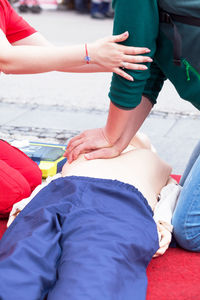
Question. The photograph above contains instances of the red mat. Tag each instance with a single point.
(174, 276)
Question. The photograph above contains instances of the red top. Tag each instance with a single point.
(14, 26)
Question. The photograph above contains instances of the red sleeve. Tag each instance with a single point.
(14, 26)
(3, 16)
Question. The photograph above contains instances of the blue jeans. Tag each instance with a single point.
(186, 218)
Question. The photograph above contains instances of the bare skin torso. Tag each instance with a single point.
(141, 168)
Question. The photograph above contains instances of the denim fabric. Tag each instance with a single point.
(186, 218)
(195, 154)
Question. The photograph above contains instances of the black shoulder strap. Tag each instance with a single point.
(178, 18)
(169, 18)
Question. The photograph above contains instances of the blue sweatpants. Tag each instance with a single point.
(79, 239)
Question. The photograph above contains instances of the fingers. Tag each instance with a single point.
(72, 145)
(134, 50)
(165, 240)
(74, 139)
(163, 248)
(134, 62)
(137, 59)
(123, 74)
(130, 66)
(102, 153)
(119, 38)
(160, 251)
(88, 140)
(128, 49)
(81, 148)
(77, 148)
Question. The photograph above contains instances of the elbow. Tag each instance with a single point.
(6, 63)
(2, 65)
(5, 67)
(5, 71)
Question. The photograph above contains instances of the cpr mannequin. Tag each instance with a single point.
(90, 232)
(138, 165)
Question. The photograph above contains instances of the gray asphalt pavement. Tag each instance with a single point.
(55, 106)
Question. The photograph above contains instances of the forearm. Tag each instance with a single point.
(91, 68)
(117, 122)
(36, 59)
(37, 39)
(122, 125)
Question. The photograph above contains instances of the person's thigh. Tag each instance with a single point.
(19, 161)
(186, 220)
(106, 245)
(13, 188)
(195, 154)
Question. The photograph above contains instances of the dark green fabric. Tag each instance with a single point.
(181, 7)
(188, 90)
(185, 78)
(140, 18)
(189, 34)
(154, 84)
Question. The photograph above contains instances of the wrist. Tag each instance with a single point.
(110, 136)
(90, 52)
(107, 137)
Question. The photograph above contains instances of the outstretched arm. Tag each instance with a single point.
(106, 56)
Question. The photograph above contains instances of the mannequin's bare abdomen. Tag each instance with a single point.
(140, 167)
